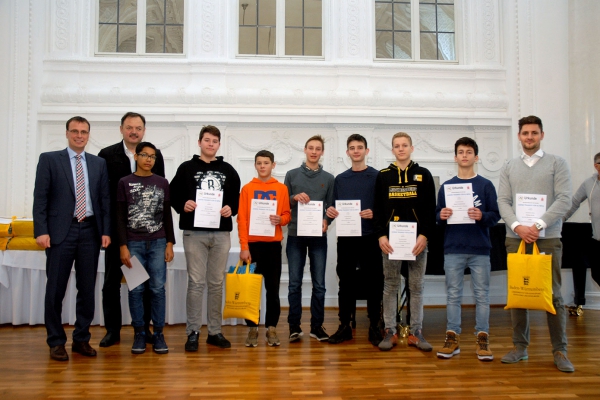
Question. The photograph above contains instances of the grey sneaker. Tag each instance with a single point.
(389, 341)
(252, 339)
(272, 339)
(417, 340)
(514, 356)
(562, 362)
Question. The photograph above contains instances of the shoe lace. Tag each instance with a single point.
(450, 340)
(482, 342)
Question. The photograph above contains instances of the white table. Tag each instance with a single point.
(23, 286)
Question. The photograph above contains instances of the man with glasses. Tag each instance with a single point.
(71, 221)
(590, 190)
(120, 163)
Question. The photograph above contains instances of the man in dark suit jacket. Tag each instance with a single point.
(120, 163)
(71, 220)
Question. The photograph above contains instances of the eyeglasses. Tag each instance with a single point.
(144, 156)
(75, 132)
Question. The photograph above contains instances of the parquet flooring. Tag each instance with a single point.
(307, 369)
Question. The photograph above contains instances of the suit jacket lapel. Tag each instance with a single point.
(92, 173)
(66, 164)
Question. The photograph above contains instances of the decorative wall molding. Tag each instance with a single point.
(489, 37)
(208, 25)
(61, 29)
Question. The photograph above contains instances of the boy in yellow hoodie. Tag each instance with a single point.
(265, 251)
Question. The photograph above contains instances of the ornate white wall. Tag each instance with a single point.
(513, 61)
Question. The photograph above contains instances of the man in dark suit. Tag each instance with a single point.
(120, 163)
(71, 221)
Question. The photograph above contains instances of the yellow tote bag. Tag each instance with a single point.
(242, 294)
(529, 280)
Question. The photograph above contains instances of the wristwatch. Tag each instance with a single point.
(538, 226)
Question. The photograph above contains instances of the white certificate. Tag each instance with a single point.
(260, 211)
(208, 208)
(136, 275)
(310, 219)
(459, 197)
(530, 208)
(403, 238)
(348, 220)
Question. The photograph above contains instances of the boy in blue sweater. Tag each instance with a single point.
(467, 245)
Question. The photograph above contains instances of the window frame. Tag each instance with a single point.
(280, 35)
(415, 36)
(141, 34)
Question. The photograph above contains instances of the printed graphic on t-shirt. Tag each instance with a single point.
(265, 195)
(145, 212)
(210, 180)
(402, 191)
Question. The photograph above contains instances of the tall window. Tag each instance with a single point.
(140, 26)
(415, 29)
(280, 27)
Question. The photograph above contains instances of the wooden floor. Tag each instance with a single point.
(307, 369)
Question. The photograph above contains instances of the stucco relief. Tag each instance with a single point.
(62, 24)
(208, 25)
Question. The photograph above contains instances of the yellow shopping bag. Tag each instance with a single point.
(242, 294)
(529, 280)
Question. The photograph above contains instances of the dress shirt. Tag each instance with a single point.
(89, 211)
(129, 155)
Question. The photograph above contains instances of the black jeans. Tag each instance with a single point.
(267, 256)
(591, 252)
(360, 273)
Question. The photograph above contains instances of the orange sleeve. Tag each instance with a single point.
(243, 218)
(284, 206)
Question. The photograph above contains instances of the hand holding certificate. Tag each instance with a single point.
(208, 208)
(459, 198)
(260, 222)
(530, 208)
(310, 218)
(348, 219)
(403, 238)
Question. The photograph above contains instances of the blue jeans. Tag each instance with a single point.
(296, 249)
(151, 254)
(455, 265)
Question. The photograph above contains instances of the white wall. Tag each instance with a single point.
(513, 61)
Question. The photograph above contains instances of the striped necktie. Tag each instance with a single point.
(79, 190)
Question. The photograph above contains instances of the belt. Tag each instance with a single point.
(91, 218)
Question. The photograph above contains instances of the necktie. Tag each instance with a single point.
(79, 190)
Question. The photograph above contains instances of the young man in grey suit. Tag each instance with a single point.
(71, 221)
(545, 175)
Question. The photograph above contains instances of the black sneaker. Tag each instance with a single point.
(139, 343)
(295, 333)
(319, 333)
(158, 343)
(192, 342)
(218, 340)
(343, 333)
(375, 336)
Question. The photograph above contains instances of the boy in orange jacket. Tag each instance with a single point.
(264, 245)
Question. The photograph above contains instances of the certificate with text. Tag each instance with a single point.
(310, 219)
(530, 208)
(260, 211)
(348, 221)
(459, 197)
(208, 208)
(403, 238)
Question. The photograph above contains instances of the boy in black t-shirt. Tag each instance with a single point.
(145, 230)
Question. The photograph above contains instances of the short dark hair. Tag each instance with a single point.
(131, 114)
(316, 137)
(265, 153)
(466, 141)
(597, 158)
(213, 130)
(78, 119)
(140, 146)
(355, 137)
(532, 119)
